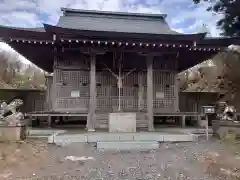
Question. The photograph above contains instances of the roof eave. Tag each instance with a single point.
(22, 33)
(68, 31)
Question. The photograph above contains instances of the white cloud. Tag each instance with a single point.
(201, 17)
(21, 18)
(30, 13)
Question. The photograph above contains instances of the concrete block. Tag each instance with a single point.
(44, 132)
(148, 137)
(179, 138)
(102, 137)
(122, 122)
(126, 137)
(68, 138)
(128, 145)
(51, 139)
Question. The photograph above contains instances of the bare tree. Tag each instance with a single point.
(13, 74)
(219, 74)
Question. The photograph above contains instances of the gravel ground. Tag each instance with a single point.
(171, 161)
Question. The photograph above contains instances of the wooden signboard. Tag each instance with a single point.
(159, 95)
(75, 94)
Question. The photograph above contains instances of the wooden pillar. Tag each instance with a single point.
(150, 92)
(30, 121)
(140, 92)
(54, 79)
(183, 121)
(93, 100)
(49, 121)
(48, 103)
(176, 94)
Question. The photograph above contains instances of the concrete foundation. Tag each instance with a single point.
(122, 122)
(122, 137)
(129, 145)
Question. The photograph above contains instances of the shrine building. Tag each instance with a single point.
(107, 62)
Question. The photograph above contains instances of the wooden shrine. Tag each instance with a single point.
(106, 62)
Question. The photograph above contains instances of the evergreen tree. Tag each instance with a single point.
(230, 9)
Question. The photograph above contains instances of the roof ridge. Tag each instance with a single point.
(114, 13)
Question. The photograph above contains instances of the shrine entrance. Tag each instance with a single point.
(120, 83)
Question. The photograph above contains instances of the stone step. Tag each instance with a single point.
(128, 145)
(123, 137)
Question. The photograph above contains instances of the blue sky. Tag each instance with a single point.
(183, 15)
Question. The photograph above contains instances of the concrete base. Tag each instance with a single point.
(122, 122)
(222, 128)
(43, 133)
(91, 130)
(12, 133)
(128, 145)
(202, 123)
(122, 137)
(197, 131)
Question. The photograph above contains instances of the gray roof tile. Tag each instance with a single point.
(115, 22)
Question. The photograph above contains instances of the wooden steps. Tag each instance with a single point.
(142, 121)
(101, 121)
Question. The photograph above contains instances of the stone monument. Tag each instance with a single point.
(12, 127)
(9, 114)
(122, 122)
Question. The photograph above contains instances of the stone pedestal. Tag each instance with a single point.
(12, 132)
(202, 123)
(122, 122)
(222, 128)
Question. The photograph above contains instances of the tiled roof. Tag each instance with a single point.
(115, 22)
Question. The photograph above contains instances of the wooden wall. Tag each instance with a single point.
(35, 101)
(65, 81)
(71, 73)
(193, 101)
